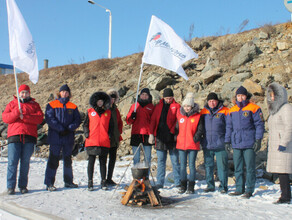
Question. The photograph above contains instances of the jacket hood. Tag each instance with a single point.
(97, 96)
(114, 91)
(28, 100)
(281, 97)
(219, 106)
(194, 110)
(143, 103)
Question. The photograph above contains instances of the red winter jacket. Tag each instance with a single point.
(170, 120)
(98, 129)
(187, 130)
(32, 116)
(120, 123)
(141, 125)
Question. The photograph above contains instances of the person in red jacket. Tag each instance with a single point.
(162, 128)
(190, 132)
(98, 131)
(140, 121)
(116, 137)
(22, 137)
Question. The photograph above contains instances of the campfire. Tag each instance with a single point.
(140, 192)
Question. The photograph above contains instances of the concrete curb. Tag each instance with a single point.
(26, 213)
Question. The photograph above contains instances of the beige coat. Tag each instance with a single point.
(280, 131)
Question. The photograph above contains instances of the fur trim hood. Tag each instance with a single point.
(194, 110)
(281, 97)
(114, 91)
(97, 96)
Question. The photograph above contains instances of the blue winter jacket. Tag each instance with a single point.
(245, 124)
(215, 127)
(62, 115)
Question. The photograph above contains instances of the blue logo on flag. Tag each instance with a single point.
(31, 48)
(158, 42)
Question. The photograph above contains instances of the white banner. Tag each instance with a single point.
(22, 48)
(165, 48)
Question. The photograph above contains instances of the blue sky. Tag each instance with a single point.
(74, 31)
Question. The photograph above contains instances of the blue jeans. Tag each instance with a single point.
(247, 157)
(18, 152)
(222, 168)
(161, 165)
(183, 157)
(147, 150)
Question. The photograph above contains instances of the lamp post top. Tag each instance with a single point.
(92, 2)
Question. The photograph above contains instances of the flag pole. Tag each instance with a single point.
(141, 71)
(16, 85)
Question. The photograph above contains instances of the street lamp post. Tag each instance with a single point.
(110, 28)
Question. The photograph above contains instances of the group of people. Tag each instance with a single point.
(180, 130)
(102, 129)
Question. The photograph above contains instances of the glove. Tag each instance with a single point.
(151, 139)
(64, 133)
(257, 145)
(196, 138)
(281, 148)
(228, 147)
(133, 115)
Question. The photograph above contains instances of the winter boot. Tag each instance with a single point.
(110, 182)
(10, 191)
(90, 185)
(183, 187)
(71, 185)
(23, 190)
(191, 188)
(51, 188)
(103, 185)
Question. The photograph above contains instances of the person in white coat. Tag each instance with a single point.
(280, 138)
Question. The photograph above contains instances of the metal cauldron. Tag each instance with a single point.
(139, 172)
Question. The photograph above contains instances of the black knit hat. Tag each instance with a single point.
(167, 92)
(212, 96)
(146, 90)
(241, 90)
(65, 87)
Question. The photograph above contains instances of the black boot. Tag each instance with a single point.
(103, 185)
(71, 185)
(90, 185)
(191, 189)
(183, 187)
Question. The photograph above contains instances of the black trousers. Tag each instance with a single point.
(111, 162)
(285, 186)
(102, 165)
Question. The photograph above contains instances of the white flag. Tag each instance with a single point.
(22, 48)
(165, 48)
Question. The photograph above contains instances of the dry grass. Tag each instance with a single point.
(227, 50)
(269, 29)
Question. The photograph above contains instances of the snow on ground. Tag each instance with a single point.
(82, 204)
(7, 216)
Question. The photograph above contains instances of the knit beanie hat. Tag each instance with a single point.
(241, 90)
(189, 99)
(212, 96)
(167, 92)
(146, 90)
(23, 87)
(65, 87)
